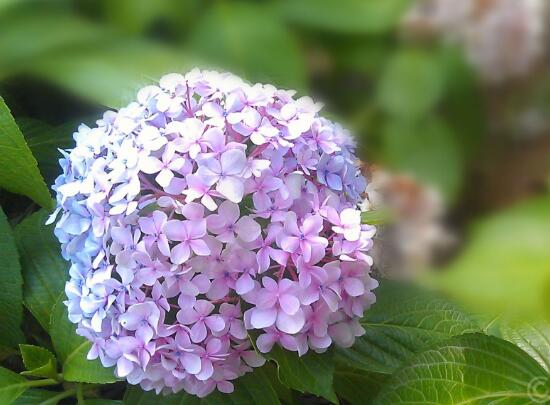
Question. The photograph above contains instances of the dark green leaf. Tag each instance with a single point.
(12, 385)
(11, 298)
(504, 267)
(469, 369)
(44, 141)
(18, 168)
(38, 361)
(249, 40)
(412, 84)
(427, 150)
(37, 397)
(347, 16)
(356, 386)
(103, 402)
(311, 373)
(44, 270)
(404, 321)
(73, 349)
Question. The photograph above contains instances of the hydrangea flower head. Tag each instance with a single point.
(204, 213)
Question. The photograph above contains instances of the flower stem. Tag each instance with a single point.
(79, 395)
(42, 383)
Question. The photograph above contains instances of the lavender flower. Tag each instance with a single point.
(206, 197)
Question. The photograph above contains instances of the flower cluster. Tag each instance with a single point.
(207, 209)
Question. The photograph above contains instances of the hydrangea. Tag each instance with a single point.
(208, 212)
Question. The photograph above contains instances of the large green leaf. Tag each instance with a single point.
(44, 270)
(469, 369)
(249, 40)
(111, 73)
(412, 84)
(73, 349)
(252, 388)
(404, 321)
(311, 373)
(30, 33)
(12, 385)
(426, 149)
(18, 168)
(11, 298)
(531, 337)
(356, 386)
(38, 361)
(347, 16)
(504, 267)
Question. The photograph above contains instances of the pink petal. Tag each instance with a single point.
(231, 188)
(175, 230)
(150, 165)
(206, 370)
(290, 243)
(312, 225)
(229, 212)
(247, 229)
(244, 284)
(215, 323)
(191, 363)
(200, 247)
(290, 323)
(180, 253)
(265, 342)
(354, 286)
(289, 304)
(198, 332)
(263, 318)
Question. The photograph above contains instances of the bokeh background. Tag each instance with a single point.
(449, 100)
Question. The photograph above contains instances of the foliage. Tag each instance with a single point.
(415, 107)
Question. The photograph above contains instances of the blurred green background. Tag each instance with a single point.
(463, 146)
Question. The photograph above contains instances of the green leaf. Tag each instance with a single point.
(427, 150)
(103, 402)
(404, 320)
(469, 369)
(504, 267)
(28, 34)
(252, 388)
(378, 217)
(346, 16)
(38, 361)
(356, 386)
(11, 298)
(73, 349)
(44, 140)
(44, 270)
(532, 337)
(18, 169)
(12, 385)
(111, 73)
(412, 84)
(36, 397)
(247, 39)
(311, 373)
